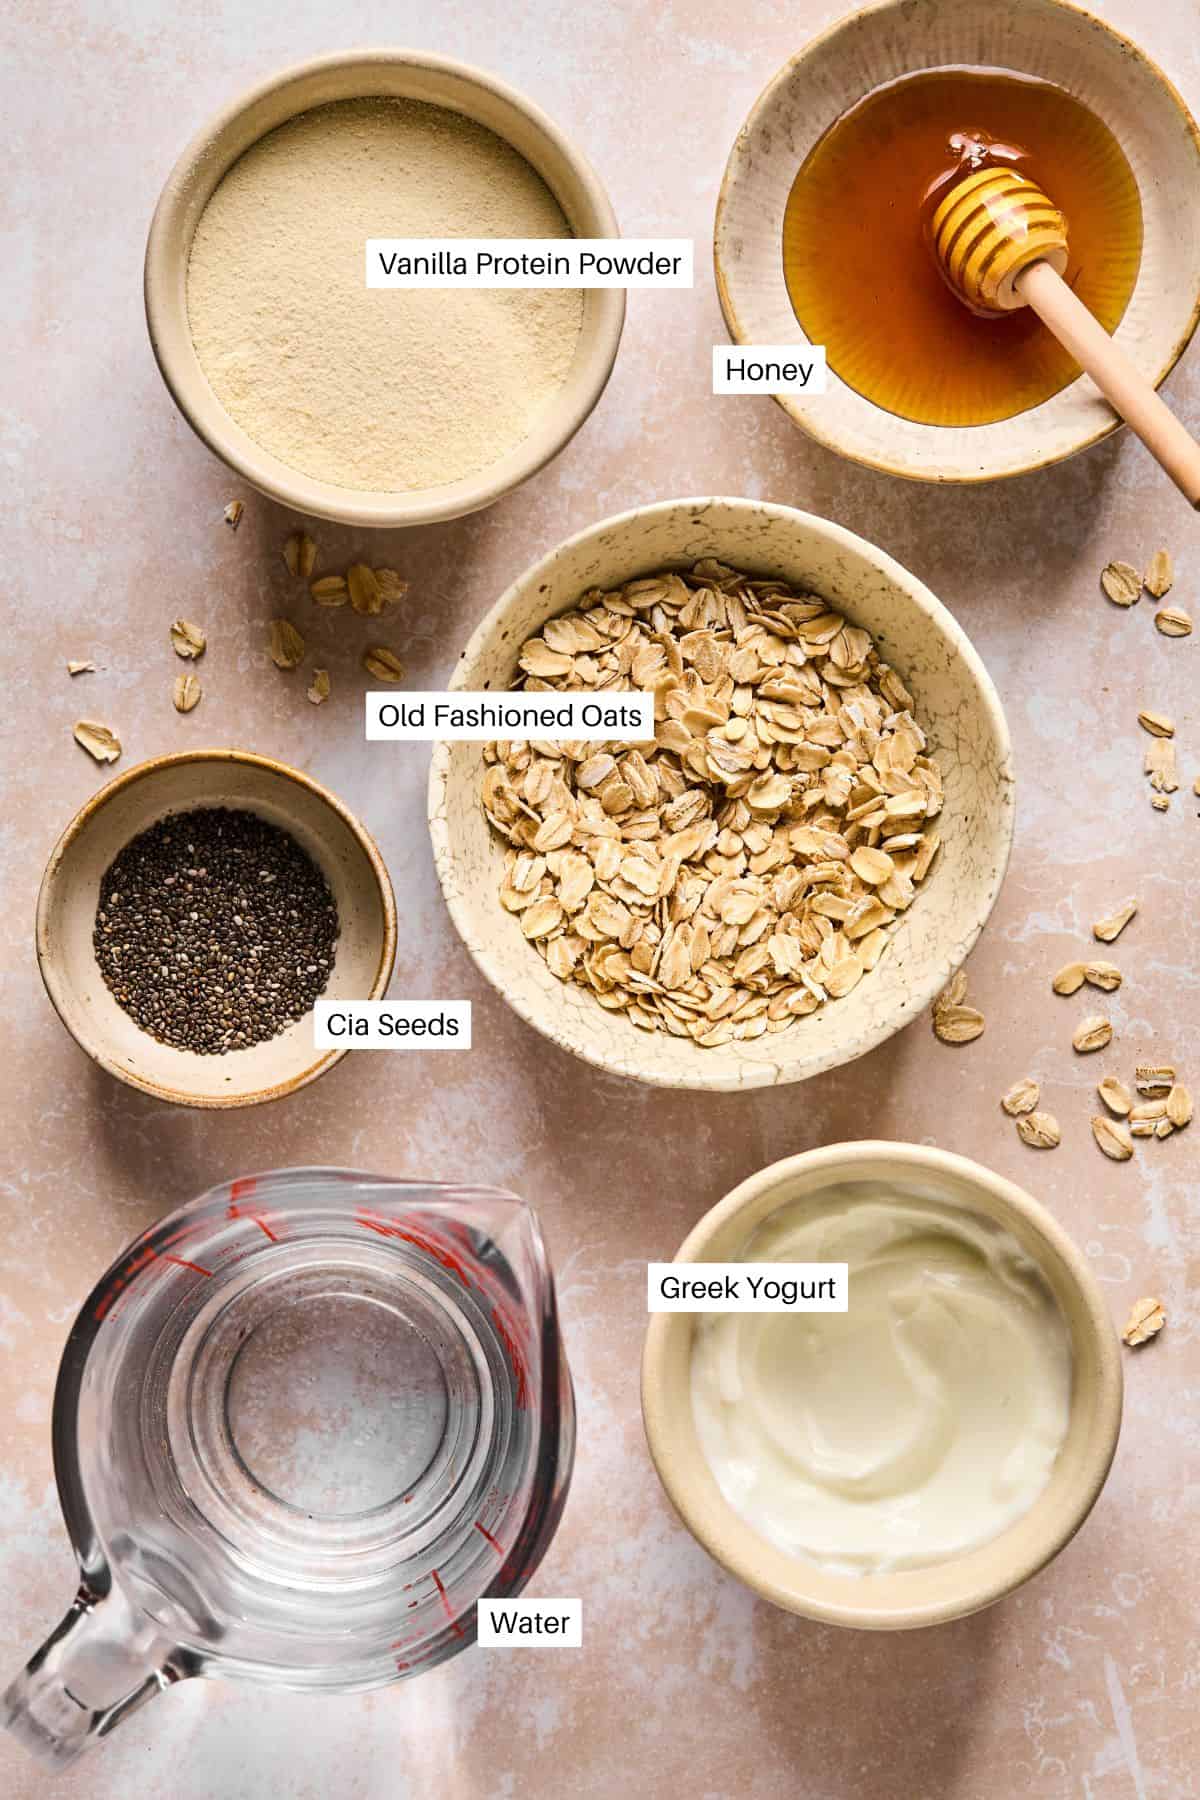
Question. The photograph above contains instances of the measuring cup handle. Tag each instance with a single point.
(92, 1672)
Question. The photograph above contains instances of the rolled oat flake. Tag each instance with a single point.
(215, 930)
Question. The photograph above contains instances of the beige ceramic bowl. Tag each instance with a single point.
(955, 700)
(1044, 38)
(354, 75)
(927, 1596)
(66, 914)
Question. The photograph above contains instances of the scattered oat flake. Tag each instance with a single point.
(1022, 1097)
(1160, 765)
(392, 587)
(1174, 622)
(954, 992)
(1103, 975)
(1121, 582)
(958, 1024)
(1179, 1106)
(365, 594)
(318, 688)
(300, 554)
(382, 663)
(1160, 802)
(188, 640)
(1092, 1033)
(98, 740)
(1146, 1319)
(232, 514)
(1116, 1096)
(286, 645)
(1156, 723)
(1107, 930)
(1154, 1079)
(1070, 978)
(186, 693)
(1160, 573)
(1039, 1130)
(330, 590)
(1113, 1138)
(81, 668)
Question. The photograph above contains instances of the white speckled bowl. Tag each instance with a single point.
(955, 700)
(1043, 38)
(965, 1583)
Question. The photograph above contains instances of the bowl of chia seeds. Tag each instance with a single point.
(192, 914)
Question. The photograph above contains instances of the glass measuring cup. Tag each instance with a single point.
(301, 1427)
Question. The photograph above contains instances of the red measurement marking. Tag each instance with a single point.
(455, 1627)
(238, 1190)
(506, 1333)
(182, 1262)
(498, 1548)
(427, 1241)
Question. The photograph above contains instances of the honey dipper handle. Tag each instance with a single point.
(1109, 367)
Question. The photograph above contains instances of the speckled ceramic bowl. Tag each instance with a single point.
(351, 75)
(965, 1583)
(66, 916)
(1044, 38)
(955, 700)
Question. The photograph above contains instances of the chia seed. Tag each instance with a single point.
(215, 930)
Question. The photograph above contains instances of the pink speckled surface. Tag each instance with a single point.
(1083, 1685)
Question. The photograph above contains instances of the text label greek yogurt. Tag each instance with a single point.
(747, 1287)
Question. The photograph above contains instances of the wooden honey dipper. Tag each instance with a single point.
(1001, 243)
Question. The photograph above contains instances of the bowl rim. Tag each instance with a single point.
(754, 1075)
(809, 421)
(735, 1544)
(204, 412)
(83, 819)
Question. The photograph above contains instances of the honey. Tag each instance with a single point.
(862, 280)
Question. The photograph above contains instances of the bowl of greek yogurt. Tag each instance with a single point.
(918, 1455)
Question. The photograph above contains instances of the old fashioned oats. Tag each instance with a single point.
(1110, 928)
(1070, 978)
(1039, 1130)
(1112, 1135)
(1160, 573)
(747, 866)
(99, 742)
(286, 645)
(1092, 1033)
(1121, 582)
(187, 640)
(318, 687)
(1173, 622)
(330, 590)
(300, 554)
(186, 693)
(1116, 1096)
(382, 663)
(1022, 1097)
(1146, 1319)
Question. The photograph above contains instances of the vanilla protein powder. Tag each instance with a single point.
(376, 388)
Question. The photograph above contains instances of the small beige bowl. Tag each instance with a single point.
(354, 75)
(955, 700)
(66, 915)
(927, 1596)
(879, 44)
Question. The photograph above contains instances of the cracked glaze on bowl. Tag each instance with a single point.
(1047, 39)
(955, 702)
